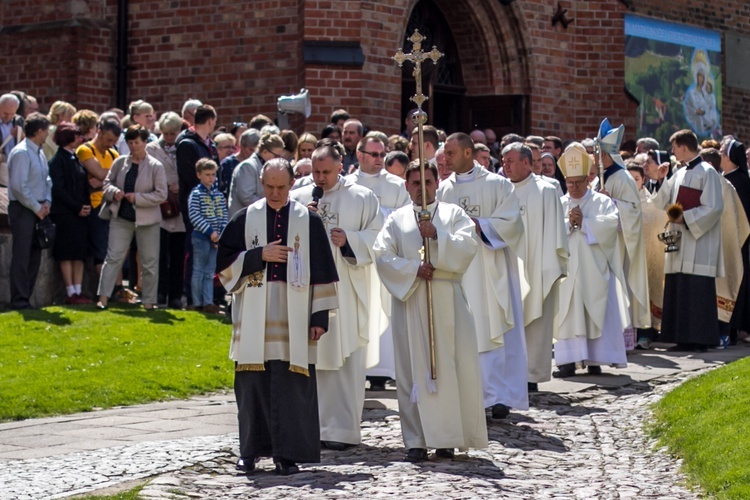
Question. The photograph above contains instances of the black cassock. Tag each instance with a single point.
(741, 315)
(277, 408)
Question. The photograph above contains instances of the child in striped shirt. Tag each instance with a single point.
(207, 209)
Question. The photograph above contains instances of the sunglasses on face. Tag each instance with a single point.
(373, 153)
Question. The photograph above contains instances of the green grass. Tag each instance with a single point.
(64, 360)
(125, 495)
(706, 422)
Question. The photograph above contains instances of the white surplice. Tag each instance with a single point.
(447, 412)
(593, 306)
(392, 194)
(700, 251)
(623, 190)
(341, 350)
(495, 298)
(545, 262)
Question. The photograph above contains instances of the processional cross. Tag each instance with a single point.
(417, 57)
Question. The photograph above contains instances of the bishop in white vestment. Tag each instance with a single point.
(545, 260)
(493, 281)
(593, 308)
(352, 218)
(448, 412)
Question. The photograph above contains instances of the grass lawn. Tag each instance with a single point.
(61, 360)
(125, 495)
(706, 422)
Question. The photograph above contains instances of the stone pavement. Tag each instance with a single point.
(582, 438)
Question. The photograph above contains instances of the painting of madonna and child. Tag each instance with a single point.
(674, 72)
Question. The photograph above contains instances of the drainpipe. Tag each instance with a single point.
(122, 54)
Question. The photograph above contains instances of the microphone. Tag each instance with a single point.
(317, 194)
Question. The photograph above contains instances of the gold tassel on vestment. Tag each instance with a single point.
(250, 367)
(725, 304)
(299, 369)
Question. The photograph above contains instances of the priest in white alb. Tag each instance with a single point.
(493, 281)
(275, 260)
(448, 412)
(352, 218)
(545, 260)
(593, 306)
(391, 192)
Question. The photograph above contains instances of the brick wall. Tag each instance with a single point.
(240, 55)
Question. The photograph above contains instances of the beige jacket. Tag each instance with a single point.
(150, 188)
(175, 224)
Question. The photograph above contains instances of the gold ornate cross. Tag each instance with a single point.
(417, 56)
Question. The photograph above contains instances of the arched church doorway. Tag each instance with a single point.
(442, 82)
(455, 104)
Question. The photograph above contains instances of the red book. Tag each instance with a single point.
(689, 197)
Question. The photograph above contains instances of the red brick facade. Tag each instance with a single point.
(240, 55)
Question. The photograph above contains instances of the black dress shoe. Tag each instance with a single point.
(286, 467)
(444, 453)
(245, 464)
(533, 387)
(565, 371)
(500, 411)
(680, 348)
(415, 455)
(377, 383)
(335, 445)
(594, 370)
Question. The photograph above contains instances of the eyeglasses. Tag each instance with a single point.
(373, 153)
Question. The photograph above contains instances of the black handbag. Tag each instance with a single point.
(44, 233)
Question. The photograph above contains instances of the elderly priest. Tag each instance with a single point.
(275, 259)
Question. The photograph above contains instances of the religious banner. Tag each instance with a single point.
(674, 72)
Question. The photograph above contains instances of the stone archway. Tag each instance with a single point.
(483, 81)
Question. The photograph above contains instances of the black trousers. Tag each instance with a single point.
(171, 265)
(26, 258)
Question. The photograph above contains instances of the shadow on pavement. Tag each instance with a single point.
(309, 477)
(523, 436)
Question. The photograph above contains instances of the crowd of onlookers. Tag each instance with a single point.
(151, 195)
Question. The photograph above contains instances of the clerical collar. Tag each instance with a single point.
(695, 161)
(286, 205)
(524, 181)
(370, 176)
(586, 196)
(466, 176)
(609, 171)
(418, 207)
(730, 172)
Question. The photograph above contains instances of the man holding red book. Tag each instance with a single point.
(690, 316)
